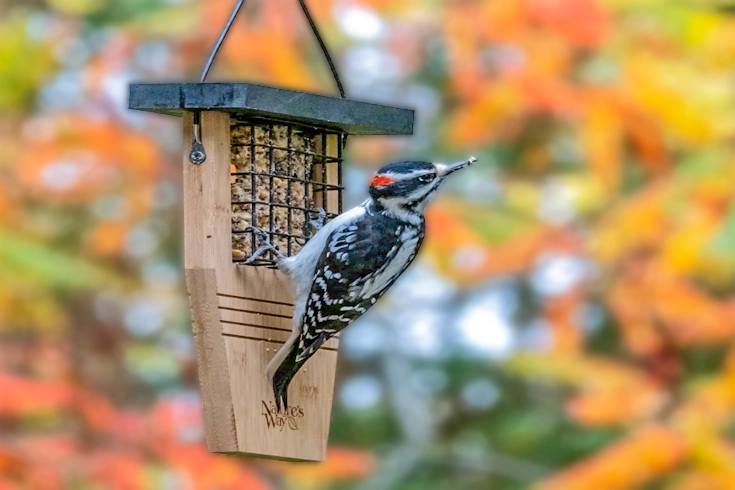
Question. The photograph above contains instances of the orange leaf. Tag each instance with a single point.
(22, 396)
(644, 455)
(341, 464)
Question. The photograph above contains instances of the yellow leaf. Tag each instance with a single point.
(77, 7)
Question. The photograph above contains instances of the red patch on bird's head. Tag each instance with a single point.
(381, 180)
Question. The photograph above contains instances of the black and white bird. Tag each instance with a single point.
(352, 260)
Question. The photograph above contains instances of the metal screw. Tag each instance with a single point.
(197, 156)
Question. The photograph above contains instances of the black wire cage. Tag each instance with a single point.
(283, 179)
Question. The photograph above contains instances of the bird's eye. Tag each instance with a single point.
(426, 178)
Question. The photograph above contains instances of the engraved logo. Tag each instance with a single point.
(310, 391)
(280, 420)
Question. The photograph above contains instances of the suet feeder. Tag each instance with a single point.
(268, 158)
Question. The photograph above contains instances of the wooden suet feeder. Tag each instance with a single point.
(268, 158)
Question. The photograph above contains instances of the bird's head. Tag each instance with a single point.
(411, 185)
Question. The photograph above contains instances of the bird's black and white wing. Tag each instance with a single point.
(360, 261)
(353, 271)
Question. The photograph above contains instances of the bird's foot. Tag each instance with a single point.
(319, 223)
(266, 247)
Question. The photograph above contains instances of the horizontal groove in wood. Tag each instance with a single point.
(256, 319)
(264, 327)
(240, 305)
(276, 315)
(256, 307)
(270, 334)
(236, 336)
(256, 300)
(268, 327)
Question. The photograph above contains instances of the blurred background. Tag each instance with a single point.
(569, 324)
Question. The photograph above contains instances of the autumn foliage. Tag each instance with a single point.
(604, 129)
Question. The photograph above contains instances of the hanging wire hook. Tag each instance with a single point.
(325, 50)
(314, 30)
(198, 155)
(222, 37)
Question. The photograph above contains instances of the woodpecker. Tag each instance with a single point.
(351, 261)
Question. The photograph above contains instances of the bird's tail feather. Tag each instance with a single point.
(280, 356)
(283, 376)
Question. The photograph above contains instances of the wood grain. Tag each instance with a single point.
(201, 281)
(214, 373)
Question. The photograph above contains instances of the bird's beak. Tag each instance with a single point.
(443, 170)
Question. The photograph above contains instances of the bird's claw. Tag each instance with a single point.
(267, 247)
(319, 223)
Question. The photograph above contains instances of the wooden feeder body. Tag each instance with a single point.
(242, 314)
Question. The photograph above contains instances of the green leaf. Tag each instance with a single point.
(25, 260)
